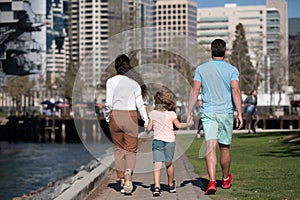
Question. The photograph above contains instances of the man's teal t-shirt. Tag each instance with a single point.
(215, 77)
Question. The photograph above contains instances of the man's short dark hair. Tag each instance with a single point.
(218, 48)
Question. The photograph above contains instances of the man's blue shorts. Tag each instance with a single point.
(218, 127)
(163, 151)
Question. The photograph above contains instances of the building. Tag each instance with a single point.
(17, 23)
(266, 34)
(140, 30)
(278, 28)
(21, 52)
(174, 18)
(93, 26)
(57, 42)
(73, 31)
(294, 26)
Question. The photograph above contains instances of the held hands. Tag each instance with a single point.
(146, 129)
(190, 121)
(189, 118)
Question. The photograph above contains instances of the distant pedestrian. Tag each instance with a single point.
(251, 109)
(162, 119)
(219, 85)
(124, 96)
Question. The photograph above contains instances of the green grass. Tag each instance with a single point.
(4, 115)
(264, 166)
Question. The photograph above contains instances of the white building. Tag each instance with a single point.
(57, 61)
(57, 57)
(93, 39)
(92, 23)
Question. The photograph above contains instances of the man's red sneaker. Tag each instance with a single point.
(226, 184)
(211, 188)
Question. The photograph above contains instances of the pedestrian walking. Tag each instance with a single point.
(251, 109)
(162, 119)
(124, 99)
(219, 84)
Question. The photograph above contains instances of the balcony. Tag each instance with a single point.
(15, 41)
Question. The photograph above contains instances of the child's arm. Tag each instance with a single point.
(182, 125)
(149, 127)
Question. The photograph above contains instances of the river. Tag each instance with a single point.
(25, 167)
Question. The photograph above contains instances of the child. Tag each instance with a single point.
(163, 144)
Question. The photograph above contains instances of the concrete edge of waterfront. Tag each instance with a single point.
(80, 188)
(78, 185)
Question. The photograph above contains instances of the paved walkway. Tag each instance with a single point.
(189, 185)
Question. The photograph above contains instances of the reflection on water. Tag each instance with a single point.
(28, 166)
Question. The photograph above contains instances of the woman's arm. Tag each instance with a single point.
(149, 127)
(141, 107)
(109, 93)
(108, 101)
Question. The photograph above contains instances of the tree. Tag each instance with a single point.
(241, 59)
(18, 87)
(66, 82)
(294, 52)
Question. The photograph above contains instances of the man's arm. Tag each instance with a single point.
(193, 98)
(236, 94)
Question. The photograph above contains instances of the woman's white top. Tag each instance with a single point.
(123, 93)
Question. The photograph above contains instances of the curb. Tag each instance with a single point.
(80, 188)
(77, 186)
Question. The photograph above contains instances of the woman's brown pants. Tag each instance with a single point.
(123, 127)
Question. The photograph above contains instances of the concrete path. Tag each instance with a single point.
(189, 185)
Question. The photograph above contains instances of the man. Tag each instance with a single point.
(219, 84)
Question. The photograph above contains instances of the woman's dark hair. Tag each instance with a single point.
(218, 48)
(164, 100)
(250, 93)
(123, 67)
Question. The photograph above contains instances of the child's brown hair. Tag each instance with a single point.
(164, 100)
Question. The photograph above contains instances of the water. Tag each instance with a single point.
(25, 167)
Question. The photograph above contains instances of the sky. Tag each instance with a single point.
(293, 5)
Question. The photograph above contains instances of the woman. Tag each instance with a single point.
(124, 96)
(251, 103)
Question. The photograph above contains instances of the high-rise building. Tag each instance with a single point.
(73, 31)
(266, 33)
(175, 18)
(277, 39)
(18, 21)
(140, 29)
(92, 36)
(57, 45)
(21, 51)
(294, 26)
(92, 23)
